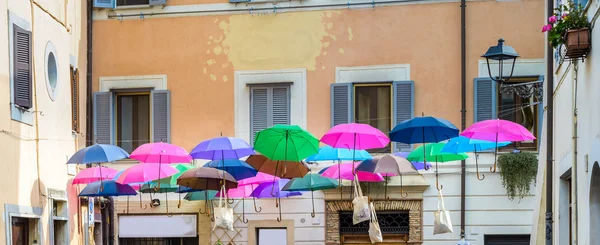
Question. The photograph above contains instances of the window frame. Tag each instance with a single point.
(116, 95)
(257, 232)
(17, 113)
(389, 84)
(492, 237)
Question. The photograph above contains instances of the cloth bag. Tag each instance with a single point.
(441, 223)
(360, 204)
(223, 214)
(374, 230)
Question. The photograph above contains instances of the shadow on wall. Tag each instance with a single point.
(74, 210)
(38, 199)
(595, 204)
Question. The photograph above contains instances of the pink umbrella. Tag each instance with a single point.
(94, 174)
(145, 173)
(258, 179)
(344, 171)
(355, 136)
(244, 191)
(160, 153)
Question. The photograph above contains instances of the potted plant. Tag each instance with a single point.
(569, 26)
(517, 171)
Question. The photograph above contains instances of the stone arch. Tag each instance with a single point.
(595, 204)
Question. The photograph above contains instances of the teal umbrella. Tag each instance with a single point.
(433, 152)
(310, 182)
(200, 195)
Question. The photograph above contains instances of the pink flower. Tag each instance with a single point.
(565, 14)
(552, 19)
(546, 28)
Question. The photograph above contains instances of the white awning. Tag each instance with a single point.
(133, 226)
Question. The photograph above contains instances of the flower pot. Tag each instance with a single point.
(577, 43)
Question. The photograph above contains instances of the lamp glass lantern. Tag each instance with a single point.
(502, 54)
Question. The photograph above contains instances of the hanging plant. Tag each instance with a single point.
(517, 171)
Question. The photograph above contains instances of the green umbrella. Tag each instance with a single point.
(433, 152)
(200, 195)
(286, 143)
(310, 182)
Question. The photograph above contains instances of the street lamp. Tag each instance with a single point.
(501, 53)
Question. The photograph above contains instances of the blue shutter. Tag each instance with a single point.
(540, 108)
(280, 106)
(341, 103)
(157, 2)
(403, 108)
(105, 4)
(485, 102)
(103, 118)
(259, 110)
(161, 116)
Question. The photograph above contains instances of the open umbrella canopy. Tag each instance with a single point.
(286, 143)
(423, 130)
(258, 179)
(160, 153)
(172, 180)
(107, 188)
(282, 169)
(98, 153)
(273, 190)
(328, 153)
(498, 130)
(345, 171)
(355, 136)
(418, 165)
(200, 195)
(140, 173)
(152, 187)
(242, 191)
(432, 153)
(387, 165)
(310, 182)
(90, 175)
(206, 179)
(463, 144)
(222, 148)
(237, 168)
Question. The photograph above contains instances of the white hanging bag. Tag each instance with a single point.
(223, 214)
(374, 230)
(360, 204)
(442, 223)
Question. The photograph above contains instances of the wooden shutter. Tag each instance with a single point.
(341, 103)
(280, 108)
(103, 118)
(484, 103)
(108, 4)
(22, 67)
(161, 116)
(157, 2)
(403, 108)
(75, 99)
(259, 110)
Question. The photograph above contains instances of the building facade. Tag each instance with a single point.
(183, 71)
(42, 120)
(576, 180)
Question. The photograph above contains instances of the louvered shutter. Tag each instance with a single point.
(259, 110)
(403, 108)
(161, 116)
(22, 67)
(107, 4)
(485, 100)
(280, 109)
(157, 2)
(341, 103)
(75, 99)
(103, 118)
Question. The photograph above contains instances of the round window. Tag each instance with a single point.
(51, 71)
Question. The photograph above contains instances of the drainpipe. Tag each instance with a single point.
(463, 111)
(574, 163)
(549, 128)
(88, 100)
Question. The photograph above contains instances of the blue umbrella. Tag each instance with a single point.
(323, 170)
(107, 188)
(98, 153)
(130, 184)
(423, 130)
(328, 153)
(237, 168)
(462, 144)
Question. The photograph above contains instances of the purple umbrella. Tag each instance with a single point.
(272, 189)
(222, 148)
(418, 165)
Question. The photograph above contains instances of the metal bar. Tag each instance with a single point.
(463, 111)
(549, 128)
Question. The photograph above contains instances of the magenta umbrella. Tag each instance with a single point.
(345, 171)
(160, 153)
(242, 192)
(497, 130)
(141, 173)
(94, 174)
(255, 181)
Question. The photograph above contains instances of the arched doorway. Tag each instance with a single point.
(595, 205)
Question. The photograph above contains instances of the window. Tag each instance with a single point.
(269, 105)
(51, 72)
(394, 225)
(59, 219)
(74, 99)
(130, 118)
(20, 231)
(132, 2)
(271, 236)
(22, 67)
(492, 101)
(506, 239)
(381, 105)
(110, 4)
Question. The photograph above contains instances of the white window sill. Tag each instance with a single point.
(21, 115)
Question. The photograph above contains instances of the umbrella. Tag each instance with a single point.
(237, 168)
(110, 188)
(388, 165)
(222, 148)
(432, 152)
(241, 192)
(200, 195)
(136, 186)
(312, 183)
(142, 173)
(423, 130)
(160, 153)
(286, 143)
(463, 144)
(207, 179)
(347, 170)
(328, 153)
(497, 130)
(282, 169)
(256, 180)
(90, 175)
(98, 153)
(273, 190)
(418, 165)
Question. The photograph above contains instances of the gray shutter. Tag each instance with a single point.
(403, 108)
(485, 102)
(341, 103)
(161, 116)
(103, 118)
(259, 110)
(280, 109)
(107, 4)
(22, 67)
(157, 2)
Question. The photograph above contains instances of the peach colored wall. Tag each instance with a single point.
(199, 54)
